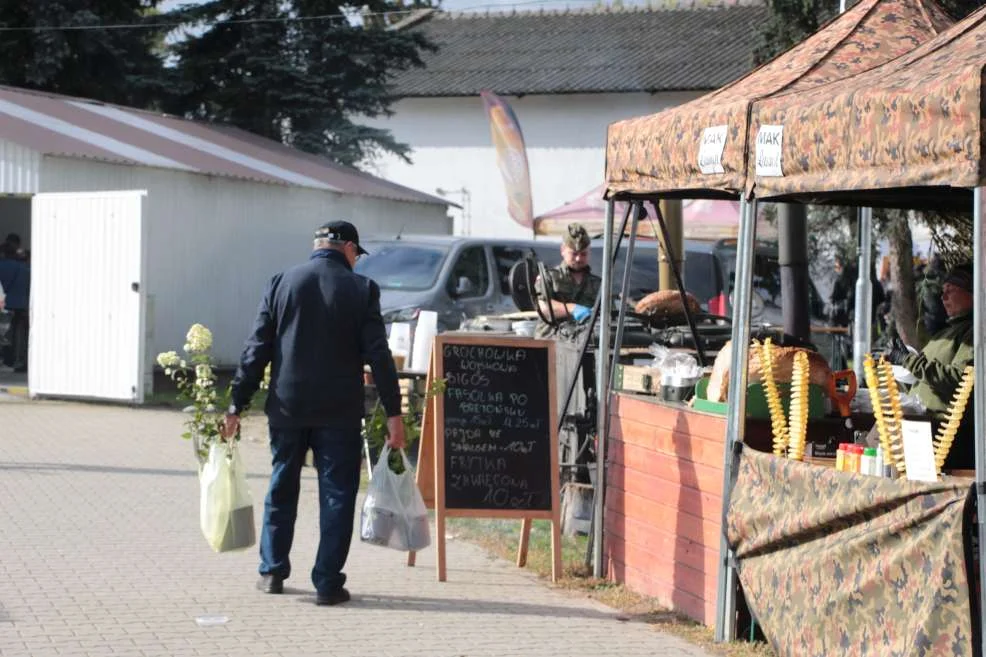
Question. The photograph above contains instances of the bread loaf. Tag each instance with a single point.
(666, 304)
(718, 389)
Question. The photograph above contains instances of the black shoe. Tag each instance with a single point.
(336, 597)
(271, 584)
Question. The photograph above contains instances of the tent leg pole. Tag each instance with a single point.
(602, 387)
(862, 321)
(979, 392)
(624, 288)
(736, 411)
(676, 272)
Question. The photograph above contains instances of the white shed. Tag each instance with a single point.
(141, 224)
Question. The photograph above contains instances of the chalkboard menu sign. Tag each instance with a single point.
(497, 427)
(489, 441)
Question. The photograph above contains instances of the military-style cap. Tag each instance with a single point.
(577, 237)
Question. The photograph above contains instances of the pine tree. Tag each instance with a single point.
(294, 70)
(116, 64)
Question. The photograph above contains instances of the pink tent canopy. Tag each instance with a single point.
(702, 219)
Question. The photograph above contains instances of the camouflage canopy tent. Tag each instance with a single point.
(907, 134)
(659, 153)
(703, 149)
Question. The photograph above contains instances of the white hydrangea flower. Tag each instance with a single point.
(199, 339)
(168, 359)
(203, 372)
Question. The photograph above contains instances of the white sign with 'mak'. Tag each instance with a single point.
(770, 139)
(710, 150)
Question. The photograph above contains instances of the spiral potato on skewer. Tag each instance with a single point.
(798, 424)
(956, 409)
(778, 423)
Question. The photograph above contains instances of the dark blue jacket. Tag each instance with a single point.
(15, 277)
(318, 323)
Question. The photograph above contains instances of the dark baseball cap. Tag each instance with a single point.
(960, 276)
(339, 231)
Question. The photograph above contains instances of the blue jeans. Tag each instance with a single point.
(337, 458)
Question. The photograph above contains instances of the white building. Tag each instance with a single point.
(177, 222)
(567, 77)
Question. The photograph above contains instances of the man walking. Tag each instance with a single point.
(317, 325)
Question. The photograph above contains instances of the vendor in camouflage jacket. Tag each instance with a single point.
(939, 366)
(572, 289)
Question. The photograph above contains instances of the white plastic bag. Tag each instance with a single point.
(225, 504)
(394, 513)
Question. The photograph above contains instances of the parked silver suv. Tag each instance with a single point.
(457, 277)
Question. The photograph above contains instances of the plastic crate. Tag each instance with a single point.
(756, 400)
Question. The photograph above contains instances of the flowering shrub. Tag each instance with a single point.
(196, 383)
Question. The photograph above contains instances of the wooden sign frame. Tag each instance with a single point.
(431, 454)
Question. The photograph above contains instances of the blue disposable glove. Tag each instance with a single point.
(581, 313)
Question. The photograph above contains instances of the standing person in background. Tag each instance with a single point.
(15, 277)
(318, 323)
(932, 317)
(842, 304)
(843, 293)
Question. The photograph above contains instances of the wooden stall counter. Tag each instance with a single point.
(664, 495)
(664, 502)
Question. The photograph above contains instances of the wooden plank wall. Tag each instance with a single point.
(664, 503)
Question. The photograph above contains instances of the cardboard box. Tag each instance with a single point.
(636, 378)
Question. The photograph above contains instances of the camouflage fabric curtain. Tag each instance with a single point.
(834, 563)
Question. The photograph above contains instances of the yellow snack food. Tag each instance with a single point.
(956, 409)
(778, 423)
(893, 414)
(798, 425)
(873, 386)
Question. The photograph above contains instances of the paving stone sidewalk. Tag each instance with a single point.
(100, 554)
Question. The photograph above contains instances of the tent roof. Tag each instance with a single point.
(660, 153)
(913, 126)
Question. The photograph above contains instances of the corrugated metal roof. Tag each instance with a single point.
(59, 125)
(638, 49)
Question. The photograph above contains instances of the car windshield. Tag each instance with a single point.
(766, 274)
(396, 266)
(767, 280)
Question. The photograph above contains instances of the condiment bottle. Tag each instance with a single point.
(852, 459)
(840, 457)
(868, 466)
